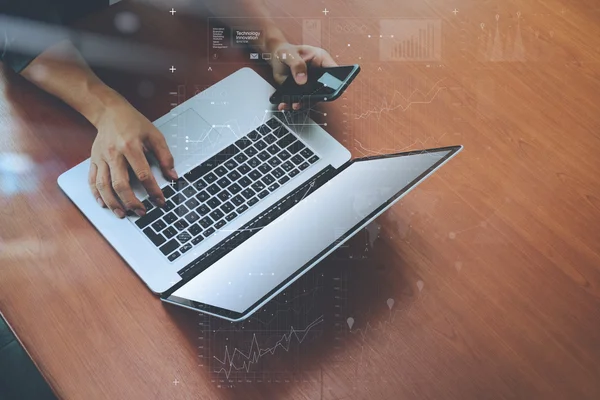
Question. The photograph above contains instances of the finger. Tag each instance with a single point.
(139, 164)
(296, 106)
(104, 186)
(158, 145)
(122, 187)
(297, 67)
(282, 106)
(92, 182)
(326, 59)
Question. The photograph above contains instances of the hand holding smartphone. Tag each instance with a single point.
(323, 84)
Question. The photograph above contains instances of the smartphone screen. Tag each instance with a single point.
(322, 83)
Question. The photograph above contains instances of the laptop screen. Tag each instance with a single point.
(262, 266)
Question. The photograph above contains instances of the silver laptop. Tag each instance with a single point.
(262, 197)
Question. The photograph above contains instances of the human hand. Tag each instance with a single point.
(296, 62)
(124, 137)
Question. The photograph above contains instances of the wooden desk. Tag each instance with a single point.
(492, 264)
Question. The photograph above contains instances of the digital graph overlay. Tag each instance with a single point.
(276, 344)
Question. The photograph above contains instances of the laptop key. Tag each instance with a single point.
(245, 181)
(213, 189)
(149, 218)
(168, 206)
(181, 224)
(192, 217)
(156, 238)
(192, 203)
(230, 164)
(234, 175)
(283, 180)
(244, 169)
(263, 129)
(240, 158)
(220, 224)
(174, 256)
(170, 218)
(278, 173)
(273, 149)
(235, 188)
(223, 182)
(231, 217)
(297, 159)
(280, 132)
(260, 145)
(181, 210)
(268, 179)
(254, 162)
(220, 170)
(248, 193)
(258, 186)
(287, 166)
(194, 229)
(263, 194)
(273, 123)
(185, 247)
(250, 151)
(159, 225)
(200, 184)
(264, 168)
(306, 153)
(313, 159)
(184, 237)
(180, 184)
(169, 232)
(227, 207)
(303, 166)
(238, 200)
(205, 222)
(213, 203)
(168, 191)
(243, 143)
(216, 214)
(208, 232)
(252, 201)
(147, 205)
(224, 195)
(203, 209)
(293, 172)
(241, 209)
(263, 156)
(295, 147)
(254, 175)
(274, 161)
(189, 191)
(284, 155)
(254, 136)
(178, 198)
(270, 138)
(169, 247)
(273, 187)
(210, 177)
(203, 196)
(197, 240)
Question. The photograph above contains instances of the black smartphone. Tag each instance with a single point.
(324, 84)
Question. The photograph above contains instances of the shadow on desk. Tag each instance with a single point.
(301, 334)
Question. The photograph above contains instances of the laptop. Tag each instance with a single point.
(262, 197)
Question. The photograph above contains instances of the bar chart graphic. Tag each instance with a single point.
(410, 40)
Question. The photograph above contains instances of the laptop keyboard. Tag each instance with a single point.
(225, 186)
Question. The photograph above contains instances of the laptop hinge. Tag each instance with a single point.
(254, 226)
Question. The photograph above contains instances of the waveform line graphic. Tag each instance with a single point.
(255, 353)
(387, 107)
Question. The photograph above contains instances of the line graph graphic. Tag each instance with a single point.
(255, 352)
(399, 101)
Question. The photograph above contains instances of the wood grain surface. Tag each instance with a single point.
(493, 263)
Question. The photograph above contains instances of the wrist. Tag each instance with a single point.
(99, 99)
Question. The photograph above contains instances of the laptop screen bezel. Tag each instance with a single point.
(237, 316)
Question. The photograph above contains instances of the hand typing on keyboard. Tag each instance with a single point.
(124, 136)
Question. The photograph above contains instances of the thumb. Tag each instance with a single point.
(298, 68)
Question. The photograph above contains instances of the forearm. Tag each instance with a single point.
(62, 72)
